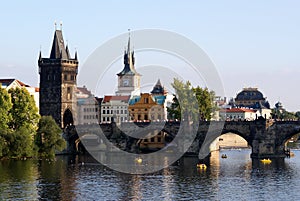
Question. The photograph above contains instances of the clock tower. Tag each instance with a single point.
(128, 78)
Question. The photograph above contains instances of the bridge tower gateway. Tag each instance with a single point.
(58, 83)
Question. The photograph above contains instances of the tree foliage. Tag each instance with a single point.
(197, 103)
(5, 107)
(174, 111)
(19, 117)
(24, 111)
(284, 115)
(206, 104)
(48, 138)
(188, 105)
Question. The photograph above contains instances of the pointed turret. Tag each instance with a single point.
(75, 55)
(58, 50)
(158, 89)
(40, 56)
(128, 61)
(68, 53)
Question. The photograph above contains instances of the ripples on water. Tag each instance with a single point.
(234, 178)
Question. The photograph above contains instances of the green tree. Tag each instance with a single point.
(23, 124)
(5, 119)
(198, 103)
(48, 137)
(283, 114)
(186, 99)
(24, 111)
(174, 111)
(5, 107)
(206, 104)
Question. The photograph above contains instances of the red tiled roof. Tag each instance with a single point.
(239, 110)
(120, 98)
(84, 90)
(7, 82)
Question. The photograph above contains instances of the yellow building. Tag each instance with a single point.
(147, 108)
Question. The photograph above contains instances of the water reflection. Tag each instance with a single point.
(236, 177)
(18, 179)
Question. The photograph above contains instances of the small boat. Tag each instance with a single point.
(138, 160)
(224, 156)
(201, 166)
(266, 161)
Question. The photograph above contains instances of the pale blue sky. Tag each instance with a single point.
(252, 43)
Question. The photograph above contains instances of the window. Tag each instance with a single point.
(146, 100)
(152, 139)
(103, 119)
(107, 111)
(72, 77)
(65, 77)
(159, 139)
(68, 93)
(103, 111)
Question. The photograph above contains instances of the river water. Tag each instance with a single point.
(236, 177)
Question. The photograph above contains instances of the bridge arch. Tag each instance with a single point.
(68, 118)
(229, 140)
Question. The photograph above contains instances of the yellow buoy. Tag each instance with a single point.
(201, 166)
(138, 160)
(266, 161)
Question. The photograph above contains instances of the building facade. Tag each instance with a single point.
(58, 75)
(87, 107)
(114, 109)
(238, 114)
(146, 108)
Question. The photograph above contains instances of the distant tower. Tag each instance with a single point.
(128, 78)
(158, 89)
(58, 83)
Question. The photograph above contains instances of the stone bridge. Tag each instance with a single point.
(266, 138)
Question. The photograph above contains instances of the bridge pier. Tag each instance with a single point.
(266, 149)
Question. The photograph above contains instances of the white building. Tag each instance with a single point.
(236, 114)
(14, 83)
(87, 106)
(114, 108)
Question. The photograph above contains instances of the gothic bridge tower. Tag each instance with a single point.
(58, 75)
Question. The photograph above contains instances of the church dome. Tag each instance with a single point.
(251, 98)
(250, 94)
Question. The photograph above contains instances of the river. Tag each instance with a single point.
(236, 177)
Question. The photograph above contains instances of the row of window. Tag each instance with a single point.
(109, 119)
(109, 107)
(93, 109)
(72, 77)
(112, 112)
(152, 109)
(90, 117)
(53, 77)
